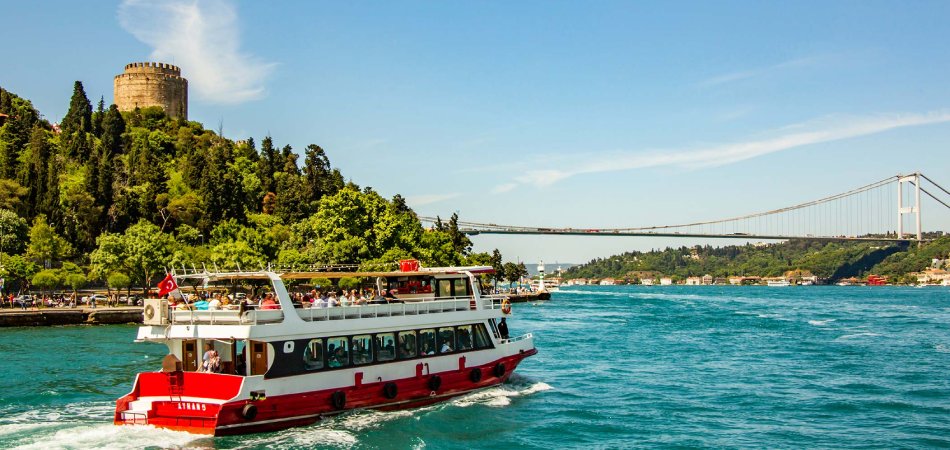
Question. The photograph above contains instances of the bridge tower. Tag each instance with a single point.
(914, 180)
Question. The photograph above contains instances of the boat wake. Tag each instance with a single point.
(501, 395)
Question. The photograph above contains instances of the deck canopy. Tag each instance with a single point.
(332, 273)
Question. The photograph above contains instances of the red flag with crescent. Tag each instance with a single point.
(167, 285)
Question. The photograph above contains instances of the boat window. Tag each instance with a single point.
(338, 354)
(446, 340)
(445, 288)
(407, 344)
(464, 337)
(427, 342)
(362, 349)
(460, 287)
(313, 355)
(385, 347)
(481, 337)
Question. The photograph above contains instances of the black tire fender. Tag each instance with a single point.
(249, 411)
(475, 375)
(390, 390)
(338, 400)
(435, 383)
(499, 370)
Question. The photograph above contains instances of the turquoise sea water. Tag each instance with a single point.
(619, 367)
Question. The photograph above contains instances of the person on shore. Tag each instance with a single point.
(503, 328)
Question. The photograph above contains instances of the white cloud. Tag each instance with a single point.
(201, 37)
(828, 129)
(426, 199)
(502, 188)
(751, 73)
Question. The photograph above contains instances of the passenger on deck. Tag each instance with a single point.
(426, 350)
(211, 362)
(215, 303)
(332, 301)
(446, 348)
(503, 328)
(339, 357)
(269, 303)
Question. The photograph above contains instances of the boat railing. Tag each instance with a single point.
(226, 316)
(263, 316)
(406, 308)
(516, 339)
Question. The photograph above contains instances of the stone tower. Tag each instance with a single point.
(152, 84)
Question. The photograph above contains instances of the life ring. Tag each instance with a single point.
(499, 370)
(475, 375)
(506, 306)
(435, 383)
(249, 412)
(149, 312)
(390, 390)
(338, 399)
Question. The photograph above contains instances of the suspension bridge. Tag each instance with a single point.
(886, 210)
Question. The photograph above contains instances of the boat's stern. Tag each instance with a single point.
(184, 401)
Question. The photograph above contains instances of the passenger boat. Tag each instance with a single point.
(778, 283)
(290, 366)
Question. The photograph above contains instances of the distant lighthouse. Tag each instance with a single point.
(541, 287)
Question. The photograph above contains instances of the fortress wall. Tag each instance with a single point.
(152, 84)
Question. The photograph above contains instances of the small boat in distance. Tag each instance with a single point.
(289, 361)
(778, 283)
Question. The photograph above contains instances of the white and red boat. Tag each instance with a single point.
(290, 366)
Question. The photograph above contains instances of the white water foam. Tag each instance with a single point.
(942, 348)
(499, 396)
(857, 335)
(105, 436)
(819, 323)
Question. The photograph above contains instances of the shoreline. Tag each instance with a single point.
(69, 316)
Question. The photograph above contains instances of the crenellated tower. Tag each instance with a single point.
(145, 84)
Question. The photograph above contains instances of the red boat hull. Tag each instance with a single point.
(286, 411)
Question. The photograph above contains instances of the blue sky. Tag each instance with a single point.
(575, 114)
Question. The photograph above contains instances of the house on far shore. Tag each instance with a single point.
(608, 282)
(708, 279)
(735, 281)
(666, 281)
(694, 281)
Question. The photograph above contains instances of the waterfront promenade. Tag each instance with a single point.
(15, 317)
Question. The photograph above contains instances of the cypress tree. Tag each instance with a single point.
(79, 115)
(98, 116)
(267, 165)
(290, 160)
(33, 174)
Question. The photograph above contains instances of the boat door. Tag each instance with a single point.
(258, 357)
(189, 353)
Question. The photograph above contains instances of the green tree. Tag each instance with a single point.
(21, 270)
(46, 246)
(13, 232)
(79, 116)
(46, 280)
(118, 281)
(34, 169)
(142, 252)
(11, 195)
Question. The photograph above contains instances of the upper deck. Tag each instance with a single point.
(422, 292)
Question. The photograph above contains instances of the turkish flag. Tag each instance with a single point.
(167, 285)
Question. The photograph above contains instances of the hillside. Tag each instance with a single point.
(110, 197)
(831, 260)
